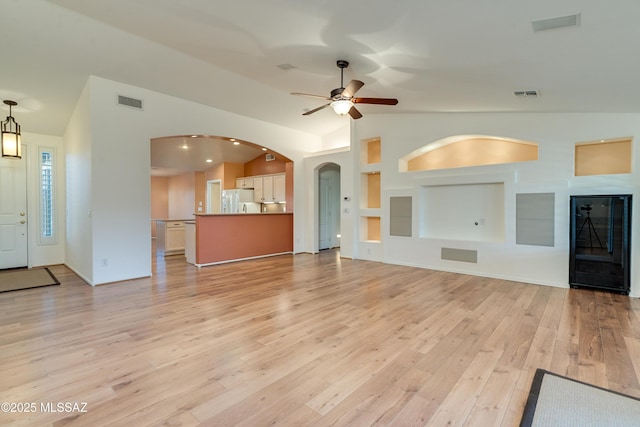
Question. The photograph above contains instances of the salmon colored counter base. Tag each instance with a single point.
(230, 237)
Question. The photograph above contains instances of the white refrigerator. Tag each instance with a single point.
(239, 201)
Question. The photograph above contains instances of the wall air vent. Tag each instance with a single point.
(270, 157)
(555, 23)
(526, 93)
(130, 102)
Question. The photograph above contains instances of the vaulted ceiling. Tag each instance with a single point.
(246, 56)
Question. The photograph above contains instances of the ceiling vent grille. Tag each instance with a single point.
(130, 102)
(270, 157)
(555, 23)
(286, 67)
(526, 93)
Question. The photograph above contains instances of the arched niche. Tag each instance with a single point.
(468, 150)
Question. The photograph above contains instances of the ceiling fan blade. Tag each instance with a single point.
(315, 109)
(380, 101)
(354, 113)
(311, 95)
(352, 88)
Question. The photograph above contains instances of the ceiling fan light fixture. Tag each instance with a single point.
(342, 106)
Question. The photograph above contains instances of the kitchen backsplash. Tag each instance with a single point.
(274, 207)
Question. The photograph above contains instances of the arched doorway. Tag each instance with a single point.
(329, 206)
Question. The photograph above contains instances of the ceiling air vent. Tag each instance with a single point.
(286, 67)
(270, 157)
(130, 102)
(555, 23)
(526, 93)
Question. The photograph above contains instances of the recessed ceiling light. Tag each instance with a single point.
(184, 146)
(236, 143)
(264, 149)
(232, 139)
(194, 136)
(209, 161)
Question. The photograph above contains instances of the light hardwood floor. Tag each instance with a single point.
(304, 340)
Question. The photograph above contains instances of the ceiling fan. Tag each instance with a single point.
(343, 100)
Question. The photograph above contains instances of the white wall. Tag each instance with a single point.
(556, 135)
(119, 171)
(338, 139)
(77, 147)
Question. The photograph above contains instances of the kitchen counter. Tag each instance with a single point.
(223, 238)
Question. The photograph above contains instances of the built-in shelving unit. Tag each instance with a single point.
(370, 191)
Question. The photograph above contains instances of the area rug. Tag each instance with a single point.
(555, 400)
(25, 278)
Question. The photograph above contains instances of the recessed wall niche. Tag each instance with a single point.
(468, 150)
(603, 157)
(471, 212)
(371, 151)
(371, 189)
(370, 228)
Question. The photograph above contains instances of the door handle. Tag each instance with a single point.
(22, 214)
(22, 221)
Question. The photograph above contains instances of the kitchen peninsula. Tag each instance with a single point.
(220, 238)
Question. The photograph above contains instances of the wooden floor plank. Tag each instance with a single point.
(311, 340)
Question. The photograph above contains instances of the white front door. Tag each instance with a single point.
(13, 213)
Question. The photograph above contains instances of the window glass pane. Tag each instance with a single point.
(47, 197)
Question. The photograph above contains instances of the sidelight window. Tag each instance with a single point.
(47, 233)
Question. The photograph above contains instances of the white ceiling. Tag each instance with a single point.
(433, 55)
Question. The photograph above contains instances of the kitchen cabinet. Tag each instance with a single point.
(244, 182)
(279, 188)
(269, 188)
(170, 237)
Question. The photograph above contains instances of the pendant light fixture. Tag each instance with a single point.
(11, 139)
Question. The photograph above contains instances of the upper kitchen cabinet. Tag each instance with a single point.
(246, 182)
(269, 188)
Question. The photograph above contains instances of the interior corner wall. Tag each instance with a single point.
(182, 196)
(77, 148)
(556, 135)
(115, 244)
(338, 139)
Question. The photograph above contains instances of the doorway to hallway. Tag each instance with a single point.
(329, 206)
